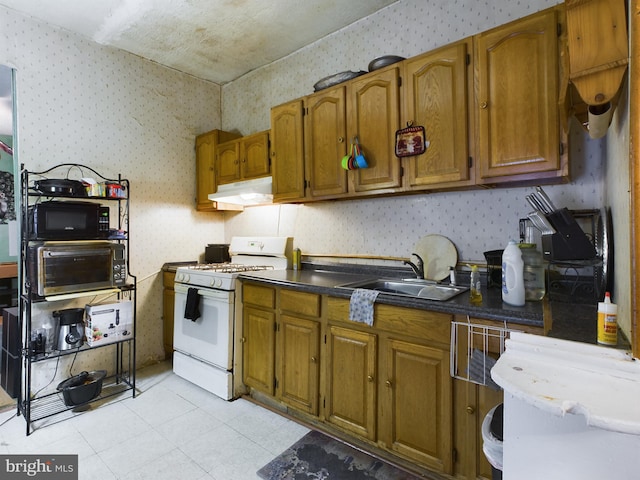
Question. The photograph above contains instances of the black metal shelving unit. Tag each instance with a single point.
(33, 406)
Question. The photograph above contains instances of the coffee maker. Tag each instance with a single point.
(70, 328)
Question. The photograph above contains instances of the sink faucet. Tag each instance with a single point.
(418, 267)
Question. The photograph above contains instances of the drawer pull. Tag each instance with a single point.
(370, 378)
(471, 410)
(388, 383)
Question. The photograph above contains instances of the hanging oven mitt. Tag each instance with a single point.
(410, 141)
(192, 307)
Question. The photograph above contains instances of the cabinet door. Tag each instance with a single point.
(228, 162)
(373, 110)
(415, 403)
(517, 95)
(437, 99)
(351, 377)
(205, 170)
(254, 155)
(287, 151)
(325, 142)
(258, 338)
(298, 363)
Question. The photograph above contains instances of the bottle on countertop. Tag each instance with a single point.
(297, 259)
(533, 273)
(607, 321)
(475, 296)
(513, 275)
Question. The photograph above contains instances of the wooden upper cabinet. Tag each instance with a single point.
(373, 110)
(437, 98)
(228, 162)
(325, 142)
(254, 155)
(287, 151)
(206, 145)
(517, 100)
(244, 158)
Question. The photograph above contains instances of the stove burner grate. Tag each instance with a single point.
(229, 267)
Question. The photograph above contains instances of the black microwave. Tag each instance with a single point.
(56, 268)
(68, 221)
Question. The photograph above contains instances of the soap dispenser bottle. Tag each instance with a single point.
(475, 296)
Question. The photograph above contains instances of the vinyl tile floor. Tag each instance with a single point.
(172, 429)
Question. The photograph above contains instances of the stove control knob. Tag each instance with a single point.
(218, 282)
(212, 283)
(179, 276)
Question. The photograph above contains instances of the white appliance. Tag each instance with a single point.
(203, 343)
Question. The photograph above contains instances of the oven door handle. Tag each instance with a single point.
(181, 288)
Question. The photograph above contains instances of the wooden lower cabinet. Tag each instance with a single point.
(386, 387)
(298, 363)
(351, 381)
(281, 345)
(415, 402)
(472, 403)
(168, 303)
(258, 338)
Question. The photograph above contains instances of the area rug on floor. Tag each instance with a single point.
(319, 457)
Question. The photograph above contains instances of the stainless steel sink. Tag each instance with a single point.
(410, 287)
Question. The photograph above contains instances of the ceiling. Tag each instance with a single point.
(216, 40)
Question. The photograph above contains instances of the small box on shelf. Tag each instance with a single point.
(108, 323)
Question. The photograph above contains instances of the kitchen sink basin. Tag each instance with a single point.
(410, 287)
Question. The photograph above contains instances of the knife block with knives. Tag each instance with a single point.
(565, 240)
(569, 242)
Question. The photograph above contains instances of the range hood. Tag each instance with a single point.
(247, 192)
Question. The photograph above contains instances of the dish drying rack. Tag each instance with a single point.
(474, 351)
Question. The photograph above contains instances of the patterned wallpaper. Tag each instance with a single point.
(82, 102)
(476, 221)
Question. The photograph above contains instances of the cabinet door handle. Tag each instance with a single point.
(471, 410)
(314, 359)
(243, 340)
(484, 105)
(340, 139)
(370, 378)
(388, 383)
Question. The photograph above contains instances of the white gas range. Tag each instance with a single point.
(204, 312)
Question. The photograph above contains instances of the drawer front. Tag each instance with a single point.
(303, 303)
(259, 295)
(422, 324)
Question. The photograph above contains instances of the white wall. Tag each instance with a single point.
(79, 102)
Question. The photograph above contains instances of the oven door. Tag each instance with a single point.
(210, 337)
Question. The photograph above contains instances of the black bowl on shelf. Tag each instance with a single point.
(82, 388)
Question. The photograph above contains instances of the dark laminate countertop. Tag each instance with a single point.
(568, 321)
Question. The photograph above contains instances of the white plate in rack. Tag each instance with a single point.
(438, 253)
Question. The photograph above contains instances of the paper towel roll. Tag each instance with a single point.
(599, 119)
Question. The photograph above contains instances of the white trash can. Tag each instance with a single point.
(492, 440)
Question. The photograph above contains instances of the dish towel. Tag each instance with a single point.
(191, 309)
(361, 305)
